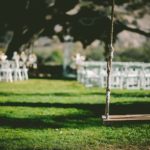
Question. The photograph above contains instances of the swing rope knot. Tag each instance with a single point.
(110, 52)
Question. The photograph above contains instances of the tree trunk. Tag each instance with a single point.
(14, 44)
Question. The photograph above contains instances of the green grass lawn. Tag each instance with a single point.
(64, 115)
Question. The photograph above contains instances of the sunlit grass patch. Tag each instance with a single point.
(57, 114)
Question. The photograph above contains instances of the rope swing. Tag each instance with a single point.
(109, 50)
(109, 57)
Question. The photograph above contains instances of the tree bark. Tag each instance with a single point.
(14, 44)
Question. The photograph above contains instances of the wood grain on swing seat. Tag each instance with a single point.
(124, 118)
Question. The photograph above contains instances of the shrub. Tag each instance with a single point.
(141, 54)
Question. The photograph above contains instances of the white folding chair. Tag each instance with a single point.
(146, 77)
(5, 71)
(132, 79)
(16, 71)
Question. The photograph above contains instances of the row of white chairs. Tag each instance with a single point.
(12, 71)
(124, 75)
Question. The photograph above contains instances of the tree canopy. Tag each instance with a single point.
(84, 20)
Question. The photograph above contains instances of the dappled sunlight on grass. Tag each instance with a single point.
(57, 114)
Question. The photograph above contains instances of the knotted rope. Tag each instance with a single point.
(109, 60)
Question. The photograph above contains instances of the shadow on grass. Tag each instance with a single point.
(61, 94)
(97, 109)
(41, 122)
(122, 94)
(90, 117)
(69, 94)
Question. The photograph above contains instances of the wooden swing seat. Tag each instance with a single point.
(126, 118)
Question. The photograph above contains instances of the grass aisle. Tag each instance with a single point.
(64, 115)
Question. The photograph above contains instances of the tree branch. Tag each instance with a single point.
(136, 30)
